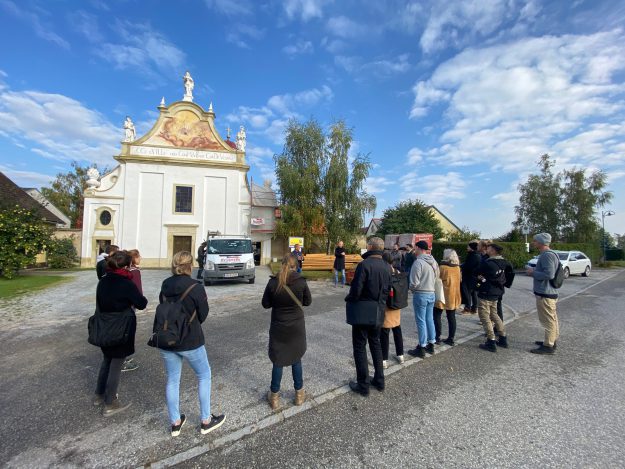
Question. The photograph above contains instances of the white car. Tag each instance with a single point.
(573, 262)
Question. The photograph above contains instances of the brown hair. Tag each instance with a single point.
(182, 263)
(111, 249)
(118, 260)
(289, 264)
(134, 253)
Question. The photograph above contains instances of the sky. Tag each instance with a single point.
(453, 102)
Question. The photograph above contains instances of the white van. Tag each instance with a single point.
(228, 258)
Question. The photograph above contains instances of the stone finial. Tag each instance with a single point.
(210, 107)
(162, 102)
(93, 178)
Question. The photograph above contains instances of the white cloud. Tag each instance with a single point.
(299, 48)
(86, 24)
(433, 189)
(344, 27)
(304, 9)
(415, 155)
(377, 184)
(262, 159)
(240, 34)
(230, 7)
(26, 178)
(510, 103)
(381, 68)
(58, 127)
(42, 30)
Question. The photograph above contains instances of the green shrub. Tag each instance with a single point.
(62, 254)
(614, 254)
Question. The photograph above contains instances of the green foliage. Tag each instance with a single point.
(66, 191)
(614, 254)
(562, 204)
(22, 236)
(464, 235)
(512, 236)
(411, 216)
(61, 253)
(320, 194)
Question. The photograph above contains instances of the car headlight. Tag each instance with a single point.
(249, 264)
(209, 265)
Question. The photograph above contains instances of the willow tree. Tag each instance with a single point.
(321, 193)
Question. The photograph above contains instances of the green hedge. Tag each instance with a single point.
(515, 252)
(614, 254)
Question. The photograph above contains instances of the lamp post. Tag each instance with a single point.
(604, 213)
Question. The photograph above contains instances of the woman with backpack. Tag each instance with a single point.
(450, 276)
(392, 317)
(182, 295)
(285, 294)
(116, 293)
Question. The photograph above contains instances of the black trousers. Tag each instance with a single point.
(469, 295)
(108, 378)
(397, 338)
(451, 321)
(360, 336)
(500, 308)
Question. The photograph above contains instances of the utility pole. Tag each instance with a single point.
(604, 213)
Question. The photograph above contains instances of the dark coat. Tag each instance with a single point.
(117, 294)
(196, 300)
(287, 332)
(339, 258)
(372, 279)
(409, 259)
(489, 288)
(100, 268)
(469, 267)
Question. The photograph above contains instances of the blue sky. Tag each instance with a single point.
(453, 101)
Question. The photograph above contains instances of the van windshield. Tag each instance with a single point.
(229, 246)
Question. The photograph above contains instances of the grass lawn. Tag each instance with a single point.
(27, 283)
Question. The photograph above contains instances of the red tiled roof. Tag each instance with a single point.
(231, 144)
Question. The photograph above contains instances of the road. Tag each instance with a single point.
(458, 408)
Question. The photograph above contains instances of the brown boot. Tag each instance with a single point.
(300, 396)
(274, 400)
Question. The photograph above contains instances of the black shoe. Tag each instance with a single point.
(540, 342)
(544, 350)
(429, 348)
(114, 407)
(489, 345)
(449, 341)
(216, 422)
(438, 341)
(374, 383)
(358, 388)
(175, 429)
(502, 342)
(417, 352)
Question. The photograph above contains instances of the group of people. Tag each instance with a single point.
(378, 292)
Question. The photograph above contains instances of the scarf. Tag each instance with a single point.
(122, 273)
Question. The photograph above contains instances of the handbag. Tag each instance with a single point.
(364, 313)
(439, 291)
(110, 329)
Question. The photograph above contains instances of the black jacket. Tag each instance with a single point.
(409, 259)
(196, 300)
(116, 294)
(339, 258)
(287, 331)
(489, 288)
(100, 268)
(470, 265)
(372, 279)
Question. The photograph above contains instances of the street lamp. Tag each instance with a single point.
(604, 213)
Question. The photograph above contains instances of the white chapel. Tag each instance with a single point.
(170, 188)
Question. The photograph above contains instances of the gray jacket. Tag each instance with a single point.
(545, 270)
(423, 273)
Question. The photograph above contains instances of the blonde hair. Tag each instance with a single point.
(289, 264)
(182, 263)
(483, 243)
(134, 253)
(451, 256)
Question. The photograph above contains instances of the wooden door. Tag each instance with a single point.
(182, 243)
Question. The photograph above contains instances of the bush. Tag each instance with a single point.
(62, 254)
(614, 254)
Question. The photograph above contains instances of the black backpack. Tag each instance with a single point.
(500, 278)
(171, 323)
(509, 271)
(398, 295)
(558, 279)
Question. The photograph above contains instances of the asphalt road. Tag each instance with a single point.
(471, 408)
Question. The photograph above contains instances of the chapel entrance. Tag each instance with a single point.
(183, 243)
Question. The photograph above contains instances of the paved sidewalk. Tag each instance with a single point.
(49, 370)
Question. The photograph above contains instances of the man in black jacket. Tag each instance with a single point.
(371, 284)
(100, 267)
(492, 277)
(469, 278)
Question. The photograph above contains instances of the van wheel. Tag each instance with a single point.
(252, 280)
(207, 283)
(567, 272)
(586, 272)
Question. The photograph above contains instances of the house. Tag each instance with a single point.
(11, 195)
(39, 197)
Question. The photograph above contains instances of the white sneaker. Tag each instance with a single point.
(384, 364)
(400, 359)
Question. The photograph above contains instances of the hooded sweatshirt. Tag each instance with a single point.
(423, 273)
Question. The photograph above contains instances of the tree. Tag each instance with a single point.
(320, 194)
(563, 204)
(62, 253)
(411, 216)
(23, 235)
(66, 191)
(465, 234)
(512, 236)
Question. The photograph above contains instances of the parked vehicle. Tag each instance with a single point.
(228, 258)
(573, 262)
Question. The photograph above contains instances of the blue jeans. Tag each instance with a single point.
(298, 377)
(198, 361)
(336, 276)
(423, 303)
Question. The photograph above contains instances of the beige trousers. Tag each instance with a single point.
(487, 311)
(548, 317)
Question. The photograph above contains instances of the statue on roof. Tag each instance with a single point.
(188, 87)
(130, 134)
(241, 139)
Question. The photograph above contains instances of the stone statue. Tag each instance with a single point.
(130, 135)
(93, 176)
(241, 139)
(188, 87)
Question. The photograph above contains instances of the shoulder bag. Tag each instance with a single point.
(110, 329)
(439, 291)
